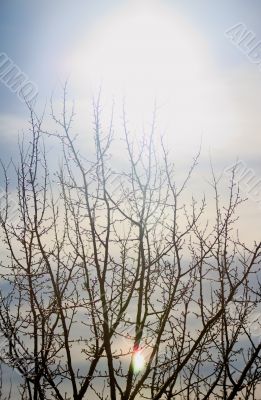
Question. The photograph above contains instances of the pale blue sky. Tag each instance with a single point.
(49, 39)
(41, 36)
(33, 32)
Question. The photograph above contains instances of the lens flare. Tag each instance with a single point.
(138, 361)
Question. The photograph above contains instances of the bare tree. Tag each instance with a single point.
(112, 287)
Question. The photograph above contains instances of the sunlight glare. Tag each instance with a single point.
(138, 361)
(144, 51)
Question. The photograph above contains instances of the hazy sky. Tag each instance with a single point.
(175, 51)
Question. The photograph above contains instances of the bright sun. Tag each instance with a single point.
(144, 51)
(143, 47)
